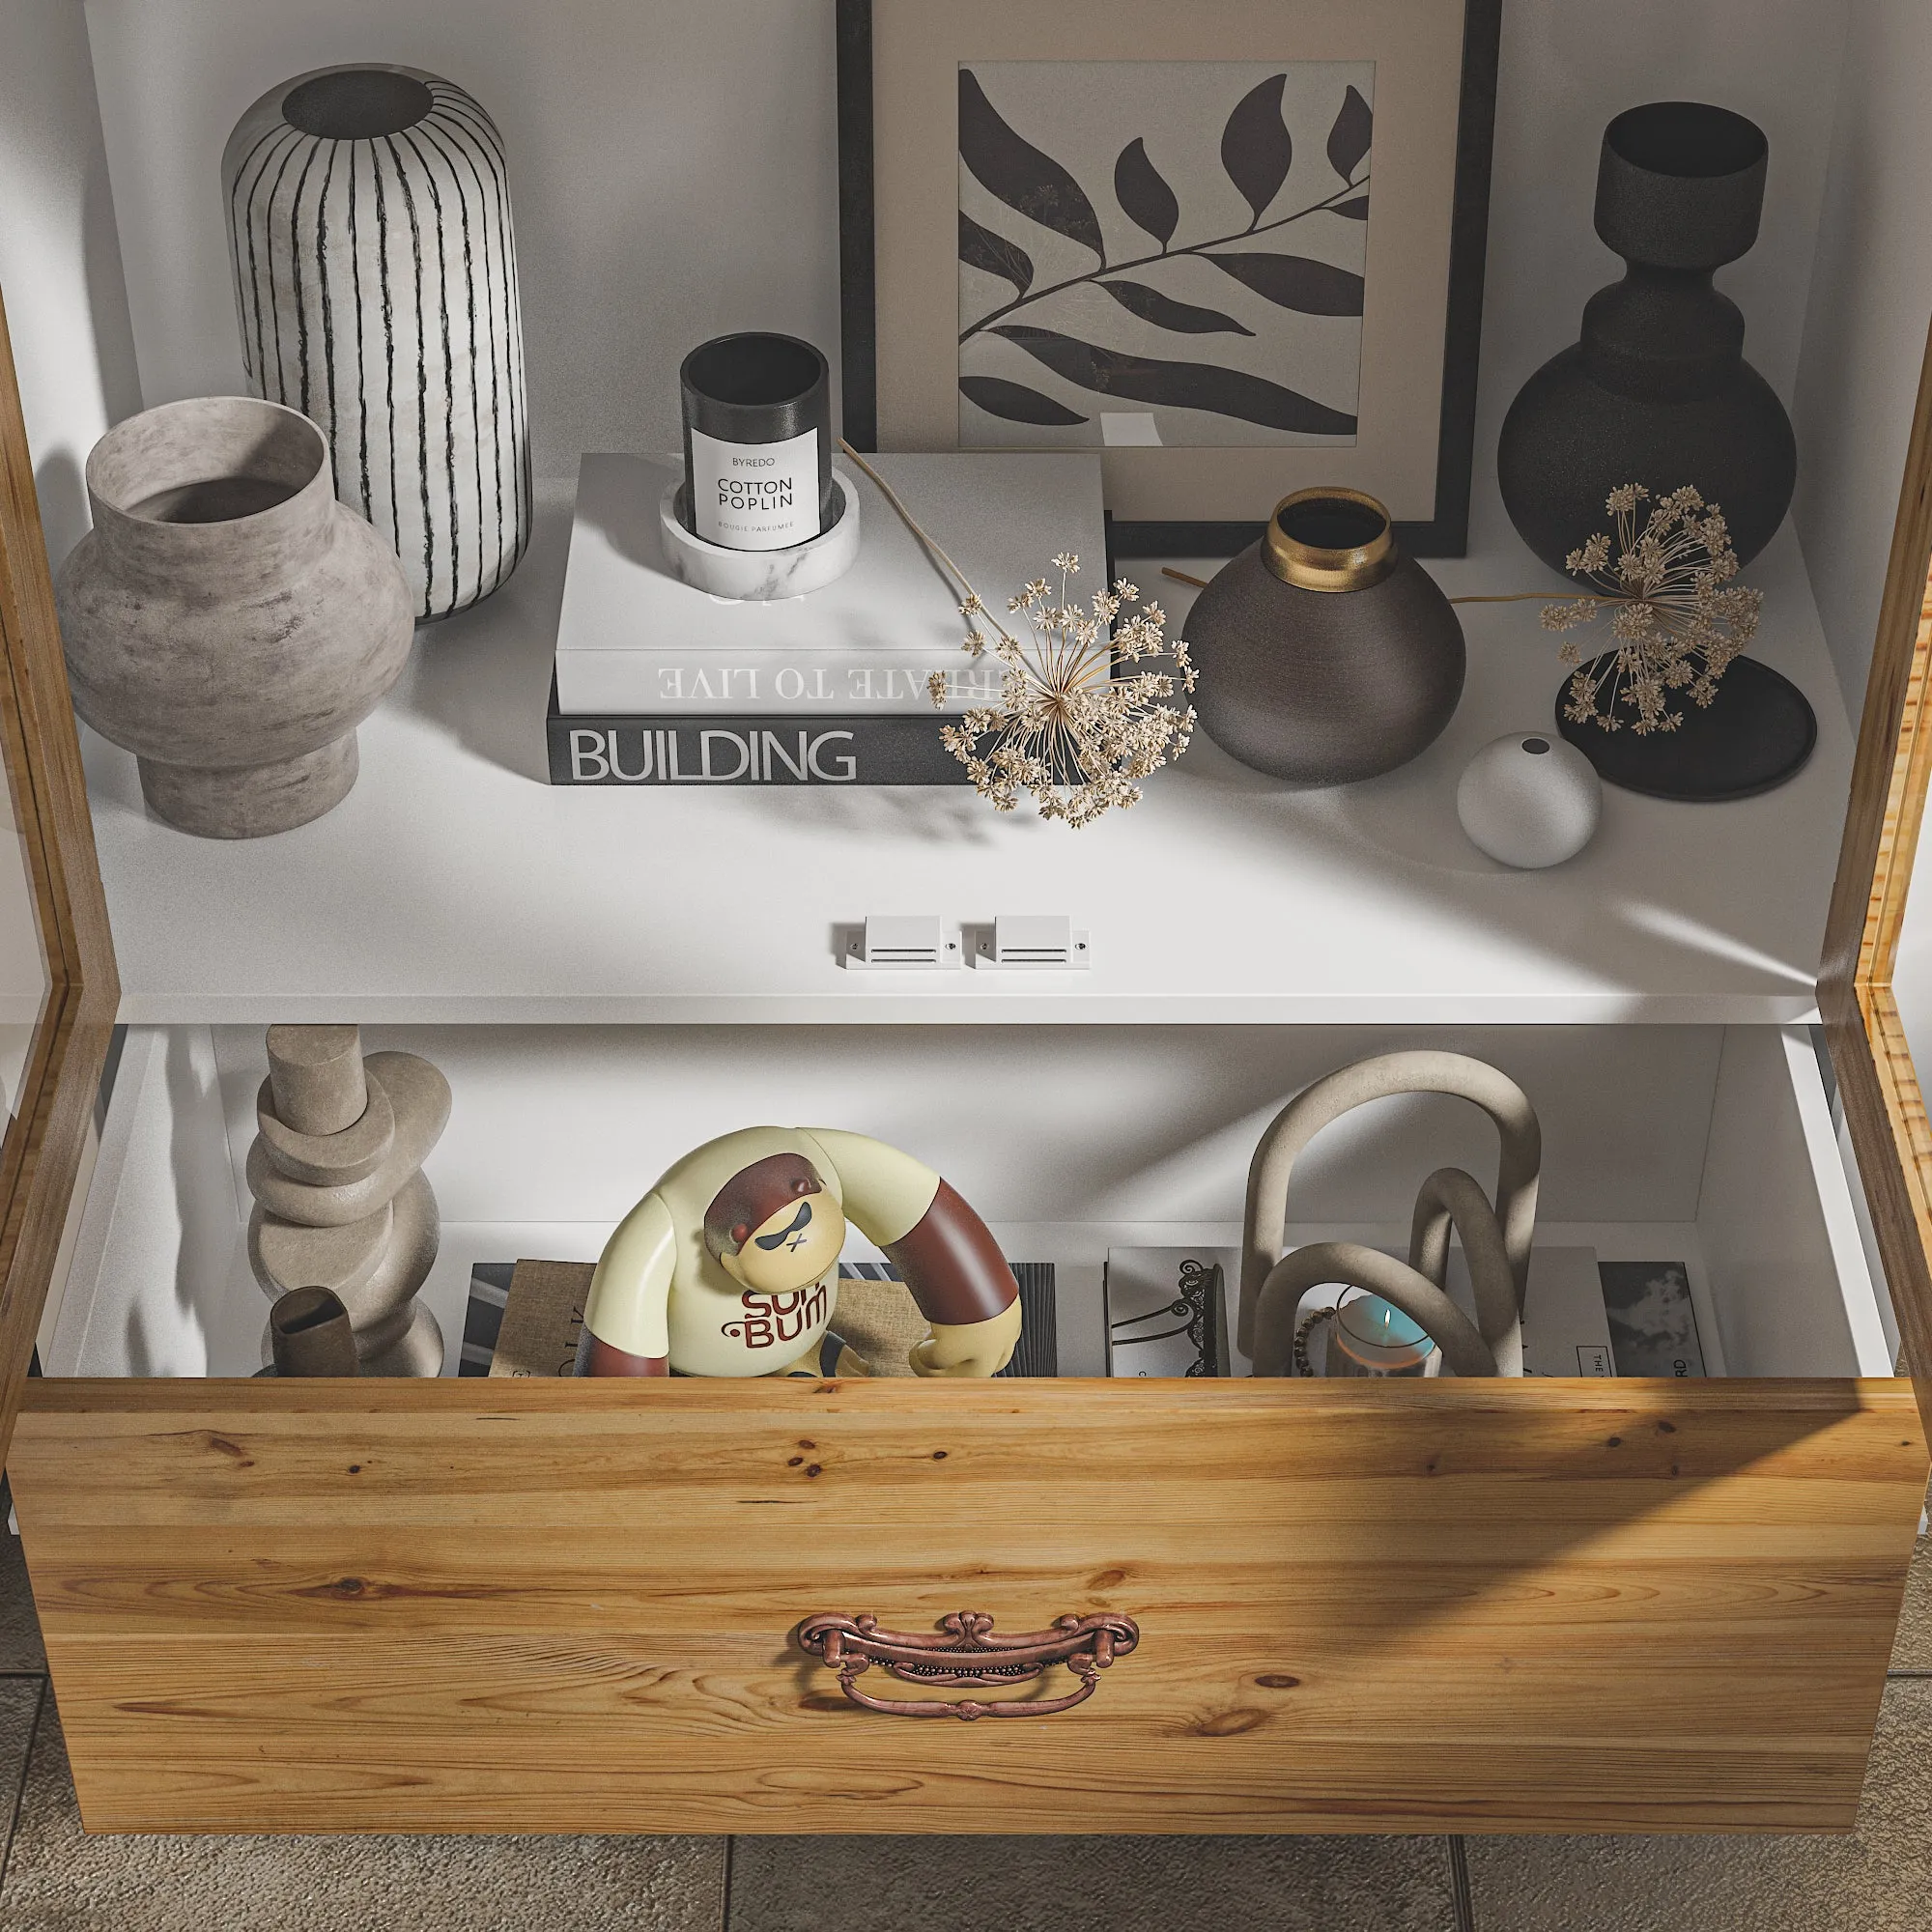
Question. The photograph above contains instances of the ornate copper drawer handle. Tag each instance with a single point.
(969, 1652)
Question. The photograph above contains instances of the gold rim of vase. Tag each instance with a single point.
(1314, 566)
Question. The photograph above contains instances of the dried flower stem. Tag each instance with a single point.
(1678, 618)
(1546, 597)
(962, 588)
(1069, 729)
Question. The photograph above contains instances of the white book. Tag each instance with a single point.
(633, 640)
(760, 683)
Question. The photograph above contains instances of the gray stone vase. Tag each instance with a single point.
(227, 620)
(341, 1200)
(1324, 654)
(374, 269)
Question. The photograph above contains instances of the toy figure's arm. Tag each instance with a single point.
(625, 1330)
(944, 1253)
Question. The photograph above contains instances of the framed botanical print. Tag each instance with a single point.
(1235, 247)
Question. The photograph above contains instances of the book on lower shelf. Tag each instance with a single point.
(1173, 1312)
(526, 1318)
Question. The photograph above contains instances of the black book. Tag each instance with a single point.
(783, 749)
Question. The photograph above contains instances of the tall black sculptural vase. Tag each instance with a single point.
(1658, 391)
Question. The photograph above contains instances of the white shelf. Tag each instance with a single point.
(456, 885)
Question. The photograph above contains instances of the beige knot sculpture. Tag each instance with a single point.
(1495, 1235)
(341, 1201)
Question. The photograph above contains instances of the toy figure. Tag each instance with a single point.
(729, 1266)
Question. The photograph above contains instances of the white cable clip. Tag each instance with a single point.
(1031, 942)
(900, 943)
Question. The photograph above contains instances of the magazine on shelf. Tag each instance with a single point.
(1172, 1311)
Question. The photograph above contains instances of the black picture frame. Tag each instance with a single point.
(1445, 534)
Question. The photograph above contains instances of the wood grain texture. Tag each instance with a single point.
(1885, 1109)
(544, 1605)
(41, 1154)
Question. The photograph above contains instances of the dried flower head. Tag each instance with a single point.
(1678, 618)
(1073, 727)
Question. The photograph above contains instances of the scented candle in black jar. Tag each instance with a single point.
(757, 442)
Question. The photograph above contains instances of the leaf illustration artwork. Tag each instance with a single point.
(1349, 138)
(982, 248)
(1292, 281)
(1221, 210)
(1014, 402)
(1145, 198)
(1189, 385)
(1164, 312)
(1030, 183)
(1255, 147)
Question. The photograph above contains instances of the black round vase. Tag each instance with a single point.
(1322, 654)
(1657, 391)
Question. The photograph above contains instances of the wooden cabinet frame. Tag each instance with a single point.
(41, 1155)
(1885, 1106)
(451, 1606)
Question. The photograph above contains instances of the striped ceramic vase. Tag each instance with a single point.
(376, 277)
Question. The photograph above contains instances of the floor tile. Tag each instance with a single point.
(1875, 1880)
(1090, 1884)
(19, 1700)
(20, 1628)
(59, 1880)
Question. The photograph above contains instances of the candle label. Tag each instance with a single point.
(755, 495)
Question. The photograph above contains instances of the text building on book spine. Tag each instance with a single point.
(748, 756)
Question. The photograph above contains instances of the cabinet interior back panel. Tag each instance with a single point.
(1037, 1123)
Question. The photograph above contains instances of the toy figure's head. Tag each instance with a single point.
(773, 1227)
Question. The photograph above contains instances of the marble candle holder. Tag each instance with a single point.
(763, 576)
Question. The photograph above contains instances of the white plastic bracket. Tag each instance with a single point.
(901, 943)
(1031, 943)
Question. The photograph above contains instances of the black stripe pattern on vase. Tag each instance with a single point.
(375, 271)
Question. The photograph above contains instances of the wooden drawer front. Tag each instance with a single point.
(552, 1607)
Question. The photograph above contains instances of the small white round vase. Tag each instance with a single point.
(763, 576)
(1529, 800)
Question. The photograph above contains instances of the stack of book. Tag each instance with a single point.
(526, 1318)
(658, 683)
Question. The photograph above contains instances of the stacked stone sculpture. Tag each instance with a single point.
(341, 1201)
(310, 1334)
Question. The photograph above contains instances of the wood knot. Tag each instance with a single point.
(1276, 1680)
(1227, 1723)
(814, 1469)
(939, 1455)
(352, 1586)
(793, 1462)
(1106, 1579)
(1614, 1442)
